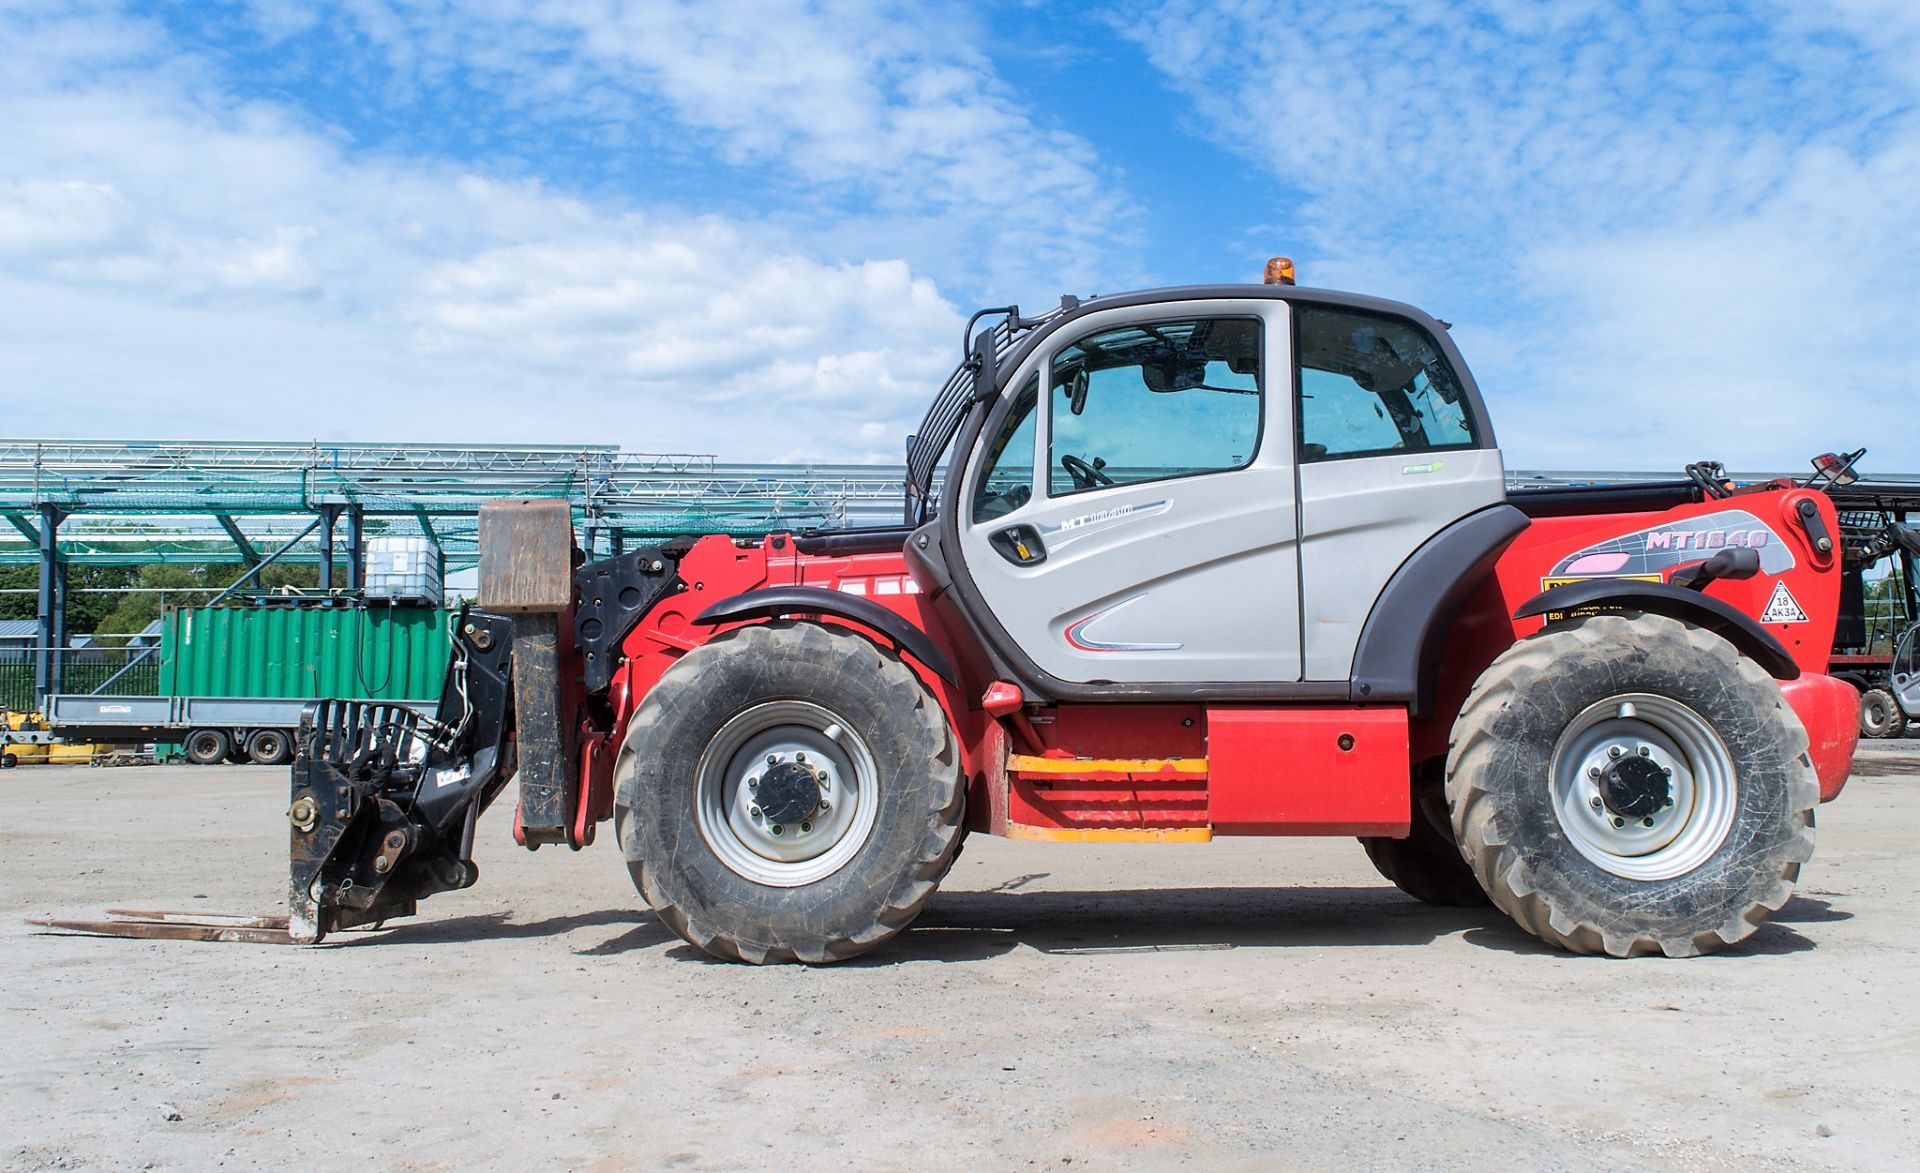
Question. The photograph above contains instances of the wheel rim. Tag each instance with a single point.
(206, 745)
(772, 747)
(1654, 818)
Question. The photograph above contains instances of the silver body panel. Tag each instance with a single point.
(1905, 676)
(1360, 519)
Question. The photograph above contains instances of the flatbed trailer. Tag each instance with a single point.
(212, 728)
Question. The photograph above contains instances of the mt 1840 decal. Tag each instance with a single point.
(1659, 548)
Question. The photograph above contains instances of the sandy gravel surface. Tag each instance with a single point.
(1257, 1004)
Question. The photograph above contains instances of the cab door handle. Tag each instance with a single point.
(1019, 544)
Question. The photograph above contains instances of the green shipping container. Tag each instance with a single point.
(383, 653)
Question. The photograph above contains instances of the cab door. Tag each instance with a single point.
(1393, 449)
(1131, 510)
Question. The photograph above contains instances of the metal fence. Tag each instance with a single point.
(85, 669)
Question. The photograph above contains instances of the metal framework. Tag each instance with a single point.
(133, 502)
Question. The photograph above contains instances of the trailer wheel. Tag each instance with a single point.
(1630, 784)
(789, 792)
(1880, 714)
(206, 747)
(268, 747)
(8, 761)
(1427, 864)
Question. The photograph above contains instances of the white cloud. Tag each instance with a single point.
(884, 111)
(180, 261)
(1667, 232)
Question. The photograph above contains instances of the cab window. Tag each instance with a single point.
(1154, 401)
(1372, 385)
(1006, 481)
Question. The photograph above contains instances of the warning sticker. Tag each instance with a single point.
(1783, 607)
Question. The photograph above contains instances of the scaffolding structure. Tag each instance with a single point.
(137, 502)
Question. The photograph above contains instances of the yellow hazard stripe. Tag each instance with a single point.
(1028, 764)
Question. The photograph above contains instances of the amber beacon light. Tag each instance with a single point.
(1280, 271)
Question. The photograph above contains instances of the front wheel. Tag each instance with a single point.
(1880, 714)
(789, 792)
(1629, 784)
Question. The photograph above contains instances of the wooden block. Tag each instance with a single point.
(526, 556)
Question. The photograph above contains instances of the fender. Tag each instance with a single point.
(1724, 620)
(1398, 654)
(777, 601)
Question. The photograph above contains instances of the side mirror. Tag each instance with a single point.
(1835, 468)
(985, 362)
(1077, 391)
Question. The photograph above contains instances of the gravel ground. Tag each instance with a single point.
(1266, 1004)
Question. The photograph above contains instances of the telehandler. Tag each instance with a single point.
(1175, 564)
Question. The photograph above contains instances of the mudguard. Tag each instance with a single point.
(1617, 594)
(799, 600)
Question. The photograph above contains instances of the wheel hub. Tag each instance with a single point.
(1634, 787)
(787, 793)
(1643, 786)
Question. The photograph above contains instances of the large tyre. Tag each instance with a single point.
(1427, 864)
(1880, 715)
(269, 747)
(732, 833)
(1630, 784)
(206, 747)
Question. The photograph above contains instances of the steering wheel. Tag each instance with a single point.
(1085, 476)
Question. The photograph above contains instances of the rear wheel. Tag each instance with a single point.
(268, 747)
(205, 747)
(1630, 784)
(1427, 864)
(789, 792)
(1880, 714)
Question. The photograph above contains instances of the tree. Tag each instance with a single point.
(189, 586)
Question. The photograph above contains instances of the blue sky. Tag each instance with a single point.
(1663, 232)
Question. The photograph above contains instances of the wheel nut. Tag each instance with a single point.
(805, 827)
(777, 829)
(773, 759)
(825, 806)
(754, 811)
(1595, 801)
(1617, 821)
(1647, 822)
(1593, 771)
(753, 784)
(799, 757)
(1668, 771)
(1614, 751)
(1646, 751)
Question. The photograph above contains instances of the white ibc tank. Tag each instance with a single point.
(405, 570)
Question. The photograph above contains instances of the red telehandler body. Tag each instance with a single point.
(1230, 560)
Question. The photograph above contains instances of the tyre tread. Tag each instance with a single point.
(1500, 869)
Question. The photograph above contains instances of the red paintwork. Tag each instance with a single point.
(1282, 771)
(1270, 770)
(1830, 709)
